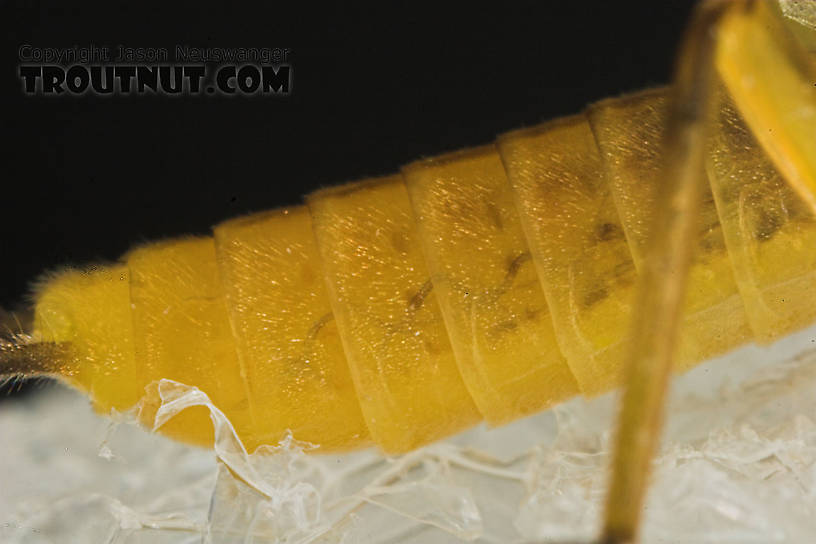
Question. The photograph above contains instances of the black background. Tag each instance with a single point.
(84, 178)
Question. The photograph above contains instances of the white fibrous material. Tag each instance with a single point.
(801, 11)
(738, 464)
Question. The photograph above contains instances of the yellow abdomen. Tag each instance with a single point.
(485, 284)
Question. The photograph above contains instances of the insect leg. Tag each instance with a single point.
(663, 277)
(772, 80)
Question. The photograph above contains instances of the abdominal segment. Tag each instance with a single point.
(485, 284)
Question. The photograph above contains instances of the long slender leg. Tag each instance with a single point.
(770, 78)
(663, 280)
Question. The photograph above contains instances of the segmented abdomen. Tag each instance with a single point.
(485, 284)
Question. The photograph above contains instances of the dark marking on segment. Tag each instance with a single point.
(513, 268)
(495, 216)
(595, 296)
(624, 268)
(504, 326)
(431, 347)
(515, 265)
(418, 299)
(532, 314)
(768, 224)
(319, 324)
(606, 232)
